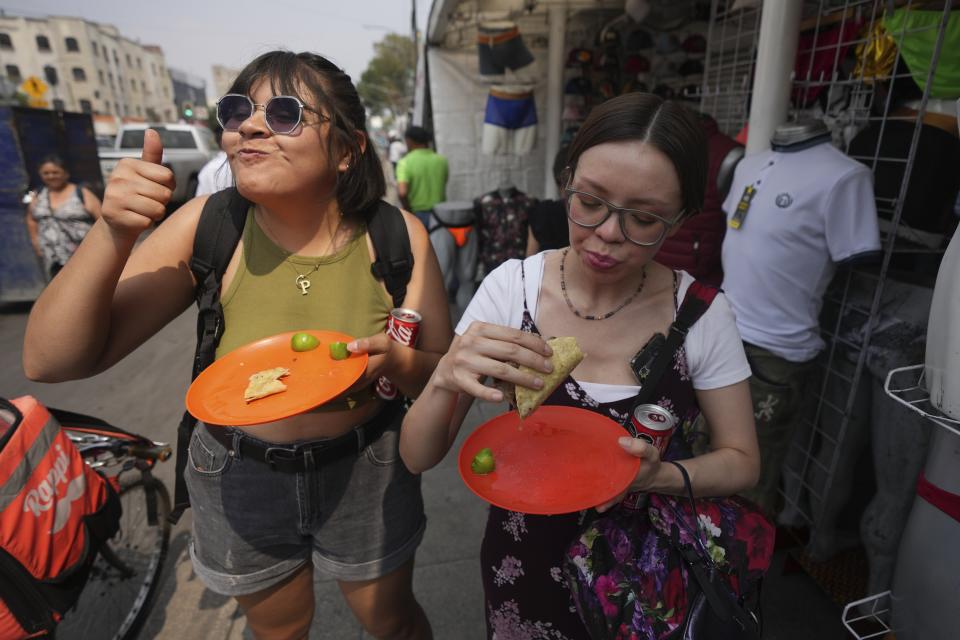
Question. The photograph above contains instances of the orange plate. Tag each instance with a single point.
(558, 460)
(216, 396)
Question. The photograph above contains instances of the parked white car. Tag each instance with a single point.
(186, 148)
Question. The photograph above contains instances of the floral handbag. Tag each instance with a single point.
(682, 569)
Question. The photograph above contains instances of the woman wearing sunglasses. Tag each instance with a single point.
(296, 139)
(635, 171)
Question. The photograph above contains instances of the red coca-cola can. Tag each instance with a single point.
(654, 424)
(403, 326)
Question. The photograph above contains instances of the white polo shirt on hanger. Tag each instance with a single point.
(812, 208)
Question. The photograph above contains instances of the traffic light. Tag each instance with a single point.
(187, 110)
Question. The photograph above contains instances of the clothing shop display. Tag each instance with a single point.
(694, 43)
(917, 33)
(696, 246)
(934, 180)
(454, 239)
(502, 217)
(927, 563)
(809, 210)
(792, 216)
(639, 40)
(818, 54)
(500, 47)
(510, 122)
(943, 340)
(522, 554)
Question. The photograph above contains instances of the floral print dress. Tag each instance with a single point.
(523, 555)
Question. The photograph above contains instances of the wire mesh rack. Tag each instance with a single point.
(732, 39)
(906, 386)
(851, 101)
(850, 72)
(869, 618)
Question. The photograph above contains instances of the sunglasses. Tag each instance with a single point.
(283, 114)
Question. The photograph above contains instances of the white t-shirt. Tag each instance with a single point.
(396, 150)
(812, 209)
(715, 356)
(215, 175)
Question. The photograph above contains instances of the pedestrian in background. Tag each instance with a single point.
(322, 489)
(216, 174)
(421, 175)
(396, 149)
(60, 215)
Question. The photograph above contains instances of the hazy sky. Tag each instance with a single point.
(196, 34)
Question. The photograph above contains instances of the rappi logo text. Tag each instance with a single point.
(44, 496)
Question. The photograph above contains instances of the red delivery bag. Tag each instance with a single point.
(55, 514)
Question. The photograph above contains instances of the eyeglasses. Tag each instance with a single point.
(639, 227)
(283, 114)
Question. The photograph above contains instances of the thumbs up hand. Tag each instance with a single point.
(138, 190)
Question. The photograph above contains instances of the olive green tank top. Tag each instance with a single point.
(264, 299)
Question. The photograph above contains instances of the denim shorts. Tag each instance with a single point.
(357, 518)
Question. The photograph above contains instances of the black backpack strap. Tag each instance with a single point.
(218, 232)
(695, 303)
(394, 264)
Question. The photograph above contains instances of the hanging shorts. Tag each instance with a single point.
(510, 122)
(500, 47)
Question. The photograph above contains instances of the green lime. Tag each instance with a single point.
(303, 342)
(338, 351)
(483, 463)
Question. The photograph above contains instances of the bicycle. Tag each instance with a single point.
(126, 573)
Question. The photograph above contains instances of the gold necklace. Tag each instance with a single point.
(302, 281)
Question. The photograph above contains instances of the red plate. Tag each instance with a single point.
(558, 460)
(216, 396)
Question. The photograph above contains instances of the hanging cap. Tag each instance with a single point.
(579, 57)
(667, 43)
(636, 64)
(695, 43)
(639, 39)
(691, 68)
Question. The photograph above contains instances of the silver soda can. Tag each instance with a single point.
(654, 424)
(403, 326)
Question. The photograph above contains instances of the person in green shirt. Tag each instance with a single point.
(421, 175)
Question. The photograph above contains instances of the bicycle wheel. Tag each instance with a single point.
(124, 579)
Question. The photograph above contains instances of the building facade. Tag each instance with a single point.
(87, 66)
(223, 78)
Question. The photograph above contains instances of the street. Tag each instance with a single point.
(144, 393)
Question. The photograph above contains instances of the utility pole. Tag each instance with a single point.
(413, 24)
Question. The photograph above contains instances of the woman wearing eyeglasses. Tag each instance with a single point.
(635, 171)
(265, 513)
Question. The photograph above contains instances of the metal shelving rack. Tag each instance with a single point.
(844, 359)
(728, 66)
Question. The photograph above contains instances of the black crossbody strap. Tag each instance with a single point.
(218, 232)
(391, 242)
(695, 303)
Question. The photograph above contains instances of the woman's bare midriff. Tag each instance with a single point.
(313, 425)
